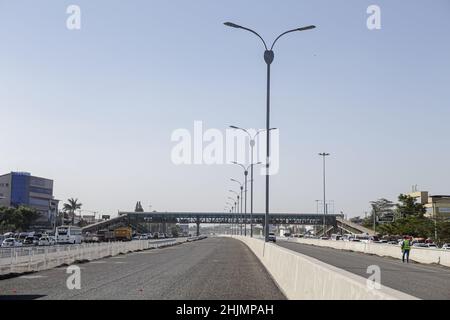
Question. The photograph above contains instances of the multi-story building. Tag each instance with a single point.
(23, 189)
(438, 206)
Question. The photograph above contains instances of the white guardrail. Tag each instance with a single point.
(28, 259)
(417, 254)
(303, 277)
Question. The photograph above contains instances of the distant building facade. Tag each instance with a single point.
(22, 189)
(438, 206)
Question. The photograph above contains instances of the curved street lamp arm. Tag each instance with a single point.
(245, 130)
(233, 25)
(234, 180)
(262, 130)
(289, 31)
(239, 164)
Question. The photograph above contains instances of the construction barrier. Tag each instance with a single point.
(28, 259)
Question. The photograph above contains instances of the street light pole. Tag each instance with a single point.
(241, 187)
(236, 204)
(324, 155)
(268, 58)
(233, 209)
(252, 164)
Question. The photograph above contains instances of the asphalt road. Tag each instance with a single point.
(214, 268)
(419, 280)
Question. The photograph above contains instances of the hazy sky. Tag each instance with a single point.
(94, 109)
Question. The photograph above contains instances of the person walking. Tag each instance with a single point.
(406, 248)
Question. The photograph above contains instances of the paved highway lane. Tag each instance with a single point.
(214, 268)
(419, 280)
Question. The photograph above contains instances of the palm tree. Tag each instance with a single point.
(72, 205)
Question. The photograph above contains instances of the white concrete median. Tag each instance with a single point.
(417, 254)
(29, 259)
(303, 277)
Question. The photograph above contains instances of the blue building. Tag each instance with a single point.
(23, 189)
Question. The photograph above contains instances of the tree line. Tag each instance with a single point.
(407, 217)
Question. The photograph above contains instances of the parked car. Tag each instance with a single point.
(143, 237)
(22, 236)
(53, 240)
(272, 237)
(11, 242)
(336, 237)
(432, 245)
(30, 241)
(89, 238)
(446, 246)
(45, 241)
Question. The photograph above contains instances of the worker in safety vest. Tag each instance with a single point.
(406, 248)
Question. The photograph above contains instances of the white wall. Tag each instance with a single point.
(421, 255)
(303, 277)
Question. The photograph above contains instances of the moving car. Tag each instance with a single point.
(272, 237)
(11, 242)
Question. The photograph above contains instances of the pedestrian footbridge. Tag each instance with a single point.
(137, 219)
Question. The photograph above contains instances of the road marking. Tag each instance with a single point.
(32, 277)
(119, 262)
(98, 262)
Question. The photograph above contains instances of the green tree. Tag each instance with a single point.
(175, 230)
(381, 208)
(408, 207)
(17, 219)
(71, 206)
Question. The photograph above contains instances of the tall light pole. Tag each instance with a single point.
(268, 58)
(245, 193)
(252, 164)
(324, 155)
(236, 207)
(227, 209)
(241, 187)
(231, 205)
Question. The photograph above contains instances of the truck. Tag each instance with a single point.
(123, 234)
(105, 235)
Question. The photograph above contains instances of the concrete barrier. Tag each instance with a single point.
(303, 277)
(417, 254)
(30, 259)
